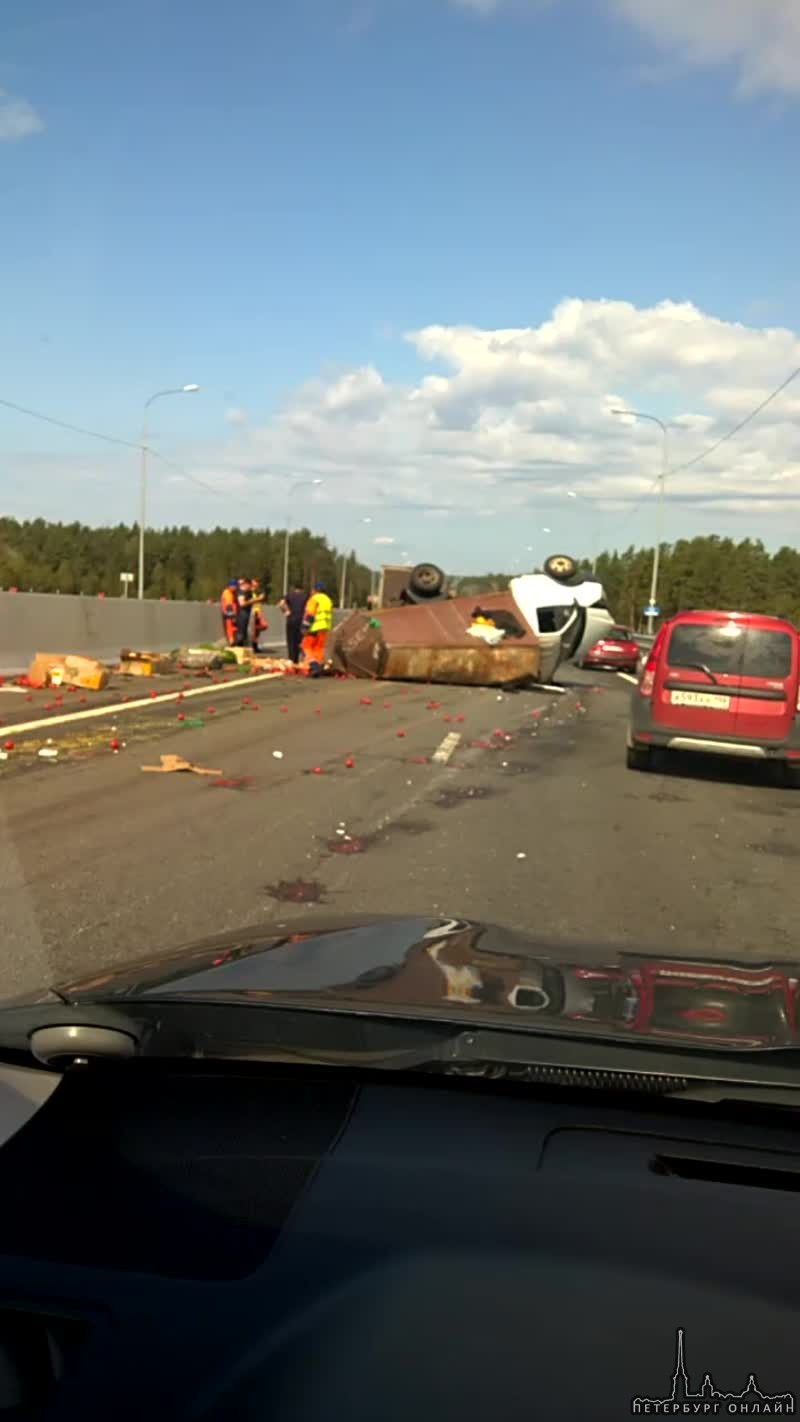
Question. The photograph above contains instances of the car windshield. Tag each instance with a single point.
(358, 378)
(730, 649)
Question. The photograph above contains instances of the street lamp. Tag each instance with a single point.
(662, 479)
(179, 390)
(301, 484)
(573, 494)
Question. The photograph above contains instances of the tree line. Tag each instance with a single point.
(181, 563)
(194, 564)
(711, 572)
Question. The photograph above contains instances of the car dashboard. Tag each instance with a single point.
(242, 1242)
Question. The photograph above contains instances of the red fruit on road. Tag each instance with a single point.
(181, 715)
(349, 762)
(8, 745)
(401, 734)
(245, 700)
(447, 718)
(153, 694)
(461, 718)
(115, 744)
(366, 701)
(284, 708)
(212, 710)
(318, 770)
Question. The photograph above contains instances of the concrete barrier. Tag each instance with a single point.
(100, 627)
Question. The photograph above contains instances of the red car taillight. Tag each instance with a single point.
(648, 677)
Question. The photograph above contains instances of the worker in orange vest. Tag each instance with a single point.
(317, 623)
(229, 606)
(258, 622)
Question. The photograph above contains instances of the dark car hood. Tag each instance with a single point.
(463, 971)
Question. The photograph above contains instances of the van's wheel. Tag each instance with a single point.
(560, 567)
(790, 776)
(426, 580)
(638, 757)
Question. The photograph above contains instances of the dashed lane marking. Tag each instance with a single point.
(443, 752)
(626, 676)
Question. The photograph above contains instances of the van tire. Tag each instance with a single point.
(426, 581)
(791, 775)
(560, 567)
(638, 757)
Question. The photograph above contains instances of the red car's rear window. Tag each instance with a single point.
(731, 649)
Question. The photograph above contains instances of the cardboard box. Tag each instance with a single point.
(85, 672)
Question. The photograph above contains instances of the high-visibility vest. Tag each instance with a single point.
(320, 609)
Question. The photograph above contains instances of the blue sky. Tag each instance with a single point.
(267, 199)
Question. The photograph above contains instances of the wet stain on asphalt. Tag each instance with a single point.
(775, 812)
(411, 827)
(448, 799)
(297, 891)
(780, 849)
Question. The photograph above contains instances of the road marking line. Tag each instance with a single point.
(626, 676)
(123, 706)
(445, 750)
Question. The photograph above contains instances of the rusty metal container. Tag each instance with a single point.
(431, 642)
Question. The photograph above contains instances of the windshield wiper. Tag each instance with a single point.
(701, 666)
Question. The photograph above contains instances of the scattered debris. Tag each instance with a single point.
(133, 663)
(85, 672)
(521, 855)
(48, 753)
(171, 763)
(297, 891)
(351, 844)
(278, 755)
(242, 782)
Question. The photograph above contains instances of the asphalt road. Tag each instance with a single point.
(534, 823)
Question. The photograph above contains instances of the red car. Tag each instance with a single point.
(616, 650)
(720, 682)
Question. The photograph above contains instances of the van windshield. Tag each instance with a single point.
(725, 648)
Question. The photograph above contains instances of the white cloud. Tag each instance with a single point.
(235, 416)
(498, 425)
(508, 420)
(384, 540)
(18, 118)
(761, 38)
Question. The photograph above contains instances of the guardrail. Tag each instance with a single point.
(100, 627)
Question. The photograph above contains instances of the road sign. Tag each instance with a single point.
(126, 577)
(652, 611)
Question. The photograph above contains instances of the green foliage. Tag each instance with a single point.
(709, 572)
(179, 562)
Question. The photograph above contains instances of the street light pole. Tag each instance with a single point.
(301, 484)
(662, 480)
(179, 390)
